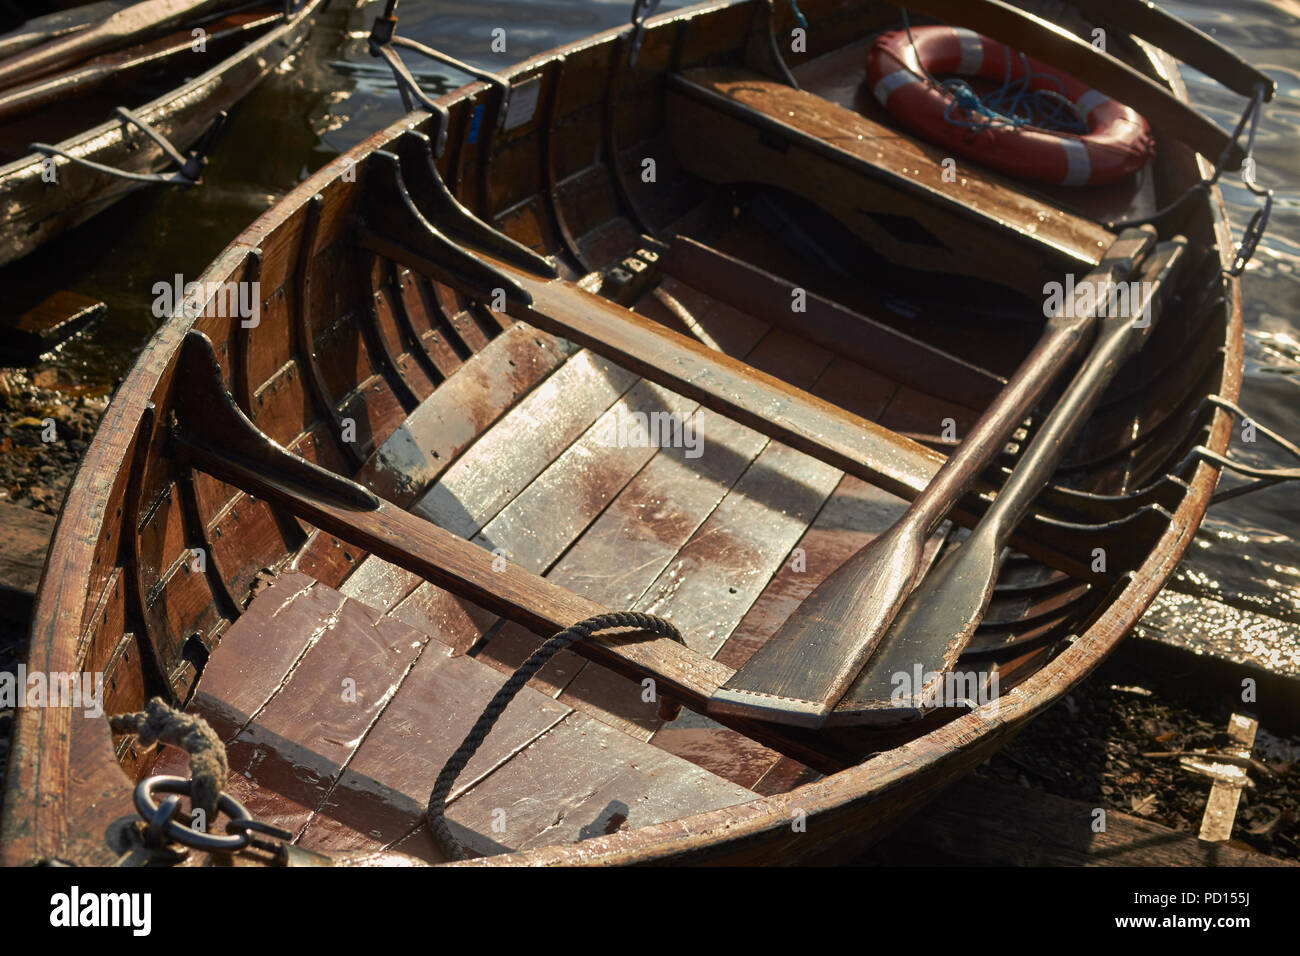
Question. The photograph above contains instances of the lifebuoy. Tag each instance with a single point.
(1118, 142)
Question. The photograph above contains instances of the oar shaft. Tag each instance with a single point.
(815, 657)
(1067, 333)
(1118, 338)
(136, 21)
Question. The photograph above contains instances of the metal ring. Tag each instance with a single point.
(185, 835)
(155, 825)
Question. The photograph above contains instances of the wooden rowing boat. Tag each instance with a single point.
(176, 66)
(332, 525)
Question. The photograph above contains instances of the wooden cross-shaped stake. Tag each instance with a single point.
(1229, 779)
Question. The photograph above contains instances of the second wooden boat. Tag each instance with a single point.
(140, 105)
(639, 325)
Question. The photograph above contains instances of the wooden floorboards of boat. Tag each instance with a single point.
(694, 539)
(337, 718)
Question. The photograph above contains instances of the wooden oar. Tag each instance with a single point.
(94, 73)
(939, 617)
(1179, 39)
(125, 26)
(799, 674)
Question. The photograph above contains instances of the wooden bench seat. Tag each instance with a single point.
(337, 718)
(890, 188)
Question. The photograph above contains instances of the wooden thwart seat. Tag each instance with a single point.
(338, 717)
(897, 193)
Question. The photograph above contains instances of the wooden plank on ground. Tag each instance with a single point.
(24, 540)
(981, 822)
(1229, 779)
(47, 324)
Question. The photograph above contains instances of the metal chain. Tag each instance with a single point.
(1259, 221)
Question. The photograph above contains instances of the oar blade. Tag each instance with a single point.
(797, 675)
(908, 677)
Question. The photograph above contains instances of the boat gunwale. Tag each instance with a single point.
(34, 810)
(108, 137)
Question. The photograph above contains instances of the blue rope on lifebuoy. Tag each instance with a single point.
(1011, 104)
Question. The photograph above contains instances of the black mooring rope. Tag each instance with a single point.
(435, 816)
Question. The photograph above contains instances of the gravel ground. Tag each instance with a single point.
(1100, 745)
(37, 461)
(35, 473)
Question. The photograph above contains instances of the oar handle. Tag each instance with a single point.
(1118, 338)
(1180, 39)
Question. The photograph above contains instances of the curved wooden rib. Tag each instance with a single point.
(305, 342)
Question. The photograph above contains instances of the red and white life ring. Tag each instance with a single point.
(1118, 142)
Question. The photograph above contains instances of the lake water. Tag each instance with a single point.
(333, 94)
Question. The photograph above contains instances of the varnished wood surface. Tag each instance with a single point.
(913, 167)
(63, 786)
(117, 65)
(119, 27)
(359, 778)
(58, 23)
(813, 660)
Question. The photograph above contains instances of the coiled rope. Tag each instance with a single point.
(1011, 104)
(436, 817)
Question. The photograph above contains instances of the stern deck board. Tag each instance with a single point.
(850, 140)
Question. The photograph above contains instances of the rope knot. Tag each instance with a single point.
(191, 733)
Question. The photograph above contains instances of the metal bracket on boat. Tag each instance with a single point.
(383, 37)
(211, 430)
(642, 10)
(1265, 477)
(189, 167)
(393, 227)
(762, 51)
(1255, 229)
(408, 88)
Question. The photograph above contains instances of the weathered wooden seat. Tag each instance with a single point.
(337, 718)
(899, 194)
